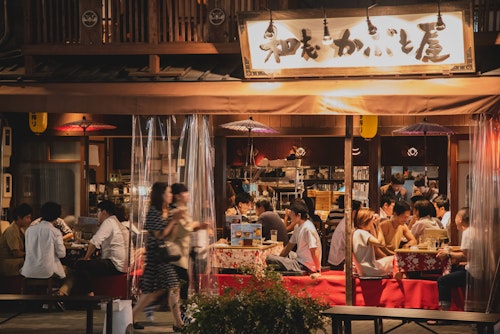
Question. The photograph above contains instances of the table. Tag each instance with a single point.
(410, 260)
(237, 257)
(345, 314)
(88, 301)
(76, 251)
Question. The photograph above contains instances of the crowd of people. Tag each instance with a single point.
(402, 221)
(35, 248)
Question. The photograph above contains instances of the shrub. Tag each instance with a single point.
(263, 306)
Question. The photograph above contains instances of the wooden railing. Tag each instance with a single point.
(113, 22)
(157, 27)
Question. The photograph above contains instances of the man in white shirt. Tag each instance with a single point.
(307, 240)
(44, 246)
(336, 255)
(442, 205)
(112, 238)
(386, 207)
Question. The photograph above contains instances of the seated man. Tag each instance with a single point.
(395, 231)
(336, 255)
(61, 225)
(386, 206)
(12, 250)
(45, 246)
(270, 220)
(335, 216)
(243, 204)
(306, 238)
(112, 238)
(459, 275)
(419, 188)
(442, 206)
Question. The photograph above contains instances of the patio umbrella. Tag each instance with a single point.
(249, 125)
(85, 125)
(424, 128)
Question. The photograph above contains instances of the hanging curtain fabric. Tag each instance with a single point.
(158, 156)
(196, 152)
(484, 211)
(150, 160)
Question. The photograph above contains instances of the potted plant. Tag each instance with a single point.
(261, 306)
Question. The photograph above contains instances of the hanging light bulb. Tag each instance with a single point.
(440, 25)
(327, 39)
(270, 33)
(372, 30)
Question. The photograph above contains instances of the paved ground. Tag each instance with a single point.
(74, 322)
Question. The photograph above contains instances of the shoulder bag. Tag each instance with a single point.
(169, 251)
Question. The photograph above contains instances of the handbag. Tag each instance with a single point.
(169, 251)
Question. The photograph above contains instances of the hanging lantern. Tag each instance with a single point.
(38, 122)
(368, 125)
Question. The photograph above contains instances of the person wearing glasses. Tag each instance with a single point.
(363, 245)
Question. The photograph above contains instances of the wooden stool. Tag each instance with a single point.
(39, 286)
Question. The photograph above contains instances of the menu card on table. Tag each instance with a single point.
(246, 234)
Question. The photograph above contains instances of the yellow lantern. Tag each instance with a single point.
(368, 125)
(38, 122)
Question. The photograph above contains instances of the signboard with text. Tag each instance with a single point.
(407, 41)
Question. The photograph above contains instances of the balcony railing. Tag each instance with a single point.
(160, 22)
(125, 22)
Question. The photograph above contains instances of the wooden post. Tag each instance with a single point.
(374, 170)
(348, 171)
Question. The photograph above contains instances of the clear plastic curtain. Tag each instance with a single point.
(196, 152)
(157, 156)
(484, 211)
(151, 136)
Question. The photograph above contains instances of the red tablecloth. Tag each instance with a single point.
(330, 287)
(419, 260)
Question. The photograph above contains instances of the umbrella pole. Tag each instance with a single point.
(247, 158)
(86, 171)
(425, 157)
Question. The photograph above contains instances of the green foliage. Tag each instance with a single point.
(263, 306)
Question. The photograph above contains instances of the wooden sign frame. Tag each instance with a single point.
(407, 42)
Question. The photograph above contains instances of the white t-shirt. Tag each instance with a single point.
(364, 256)
(44, 247)
(306, 237)
(112, 239)
(446, 219)
(337, 245)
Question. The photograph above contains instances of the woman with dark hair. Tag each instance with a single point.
(423, 211)
(159, 276)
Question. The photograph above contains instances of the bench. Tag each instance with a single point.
(88, 301)
(345, 314)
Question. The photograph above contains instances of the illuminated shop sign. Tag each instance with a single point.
(406, 40)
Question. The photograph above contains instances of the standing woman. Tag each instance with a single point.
(158, 276)
(182, 233)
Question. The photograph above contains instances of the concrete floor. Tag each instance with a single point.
(71, 321)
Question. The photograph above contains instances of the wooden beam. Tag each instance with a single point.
(133, 49)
